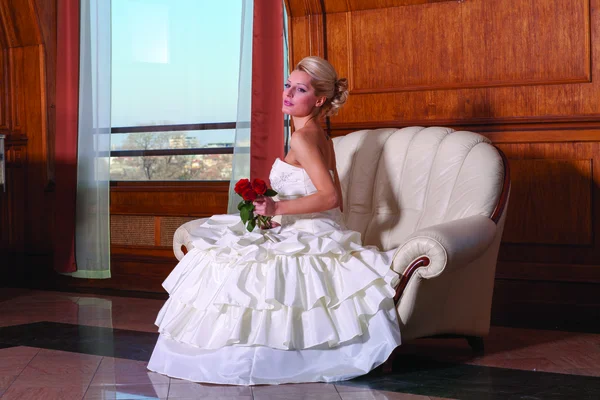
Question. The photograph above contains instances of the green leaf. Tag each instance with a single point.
(246, 212)
(270, 193)
(241, 205)
(251, 225)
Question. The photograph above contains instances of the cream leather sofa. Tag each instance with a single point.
(439, 197)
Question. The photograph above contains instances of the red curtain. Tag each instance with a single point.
(67, 105)
(266, 126)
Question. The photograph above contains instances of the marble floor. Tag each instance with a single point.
(56, 345)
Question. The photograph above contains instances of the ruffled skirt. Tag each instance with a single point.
(305, 302)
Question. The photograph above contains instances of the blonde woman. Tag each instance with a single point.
(301, 302)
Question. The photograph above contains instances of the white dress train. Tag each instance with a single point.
(303, 302)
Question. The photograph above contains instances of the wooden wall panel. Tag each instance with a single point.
(307, 34)
(32, 94)
(543, 214)
(20, 23)
(17, 101)
(407, 30)
(4, 93)
(562, 306)
(12, 206)
(46, 12)
(339, 30)
(553, 212)
(195, 199)
(3, 35)
(299, 40)
(466, 50)
(27, 41)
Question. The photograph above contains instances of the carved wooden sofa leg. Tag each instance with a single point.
(476, 344)
(387, 366)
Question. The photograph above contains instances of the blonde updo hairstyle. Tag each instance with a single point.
(325, 82)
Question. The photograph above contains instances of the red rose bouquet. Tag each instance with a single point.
(250, 192)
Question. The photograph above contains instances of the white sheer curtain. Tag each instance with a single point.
(92, 232)
(241, 151)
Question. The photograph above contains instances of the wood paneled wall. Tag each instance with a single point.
(144, 216)
(488, 62)
(27, 92)
(527, 75)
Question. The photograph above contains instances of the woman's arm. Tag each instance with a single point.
(304, 144)
(338, 188)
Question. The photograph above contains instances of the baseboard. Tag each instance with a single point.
(567, 306)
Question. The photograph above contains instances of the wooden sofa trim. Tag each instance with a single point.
(499, 210)
(408, 273)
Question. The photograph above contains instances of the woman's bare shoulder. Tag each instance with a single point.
(306, 137)
(307, 133)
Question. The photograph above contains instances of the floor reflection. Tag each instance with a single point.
(76, 346)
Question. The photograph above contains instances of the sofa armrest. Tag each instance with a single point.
(183, 237)
(448, 246)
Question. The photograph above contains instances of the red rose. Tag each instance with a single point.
(241, 186)
(259, 186)
(249, 194)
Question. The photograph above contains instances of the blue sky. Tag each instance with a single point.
(176, 62)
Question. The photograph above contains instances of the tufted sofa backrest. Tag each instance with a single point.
(396, 181)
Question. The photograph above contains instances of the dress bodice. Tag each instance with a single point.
(292, 182)
(289, 181)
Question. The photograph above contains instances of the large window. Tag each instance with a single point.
(175, 69)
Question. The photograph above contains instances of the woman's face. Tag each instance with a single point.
(299, 98)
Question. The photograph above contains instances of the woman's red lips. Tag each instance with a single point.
(287, 103)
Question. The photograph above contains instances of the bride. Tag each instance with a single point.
(304, 301)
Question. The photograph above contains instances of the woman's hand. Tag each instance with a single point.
(265, 206)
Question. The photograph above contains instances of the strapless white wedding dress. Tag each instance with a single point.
(303, 302)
